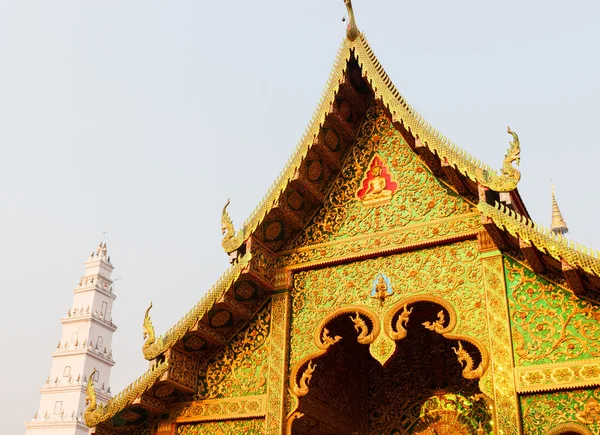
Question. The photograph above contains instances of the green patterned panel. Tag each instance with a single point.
(549, 323)
(236, 427)
(240, 369)
(452, 272)
(418, 196)
(542, 412)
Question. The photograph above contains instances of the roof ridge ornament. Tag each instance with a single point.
(231, 241)
(351, 30)
(512, 155)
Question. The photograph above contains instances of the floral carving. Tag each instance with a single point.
(424, 197)
(240, 369)
(576, 408)
(550, 324)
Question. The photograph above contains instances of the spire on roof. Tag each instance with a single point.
(352, 30)
(558, 226)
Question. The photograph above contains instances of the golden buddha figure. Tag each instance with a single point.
(378, 185)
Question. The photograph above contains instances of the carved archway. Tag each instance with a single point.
(569, 429)
(342, 388)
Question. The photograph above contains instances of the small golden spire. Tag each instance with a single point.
(559, 226)
(352, 30)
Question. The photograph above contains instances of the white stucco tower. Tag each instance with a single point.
(85, 344)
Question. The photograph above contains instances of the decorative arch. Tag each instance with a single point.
(398, 315)
(369, 325)
(301, 372)
(569, 429)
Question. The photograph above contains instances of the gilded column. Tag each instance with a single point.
(280, 317)
(505, 396)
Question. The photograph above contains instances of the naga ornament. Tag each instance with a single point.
(438, 325)
(302, 388)
(512, 155)
(327, 339)
(231, 241)
(363, 331)
(510, 175)
(401, 323)
(151, 344)
(90, 397)
(465, 360)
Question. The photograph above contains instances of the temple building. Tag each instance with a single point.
(388, 283)
(83, 356)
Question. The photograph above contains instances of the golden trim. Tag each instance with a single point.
(558, 376)
(219, 409)
(302, 258)
(168, 339)
(506, 410)
(127, 396)
(278, 362)
(556, 246)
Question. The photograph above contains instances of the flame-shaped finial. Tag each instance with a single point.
(352, 30)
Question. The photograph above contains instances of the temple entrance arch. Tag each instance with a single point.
(427, 385)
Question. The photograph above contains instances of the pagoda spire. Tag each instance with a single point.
(85, 342)
(558, 226)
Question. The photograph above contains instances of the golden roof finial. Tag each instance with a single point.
(352, 30)
(558, 226)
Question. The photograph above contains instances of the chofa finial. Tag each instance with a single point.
(231, 241)
(351, 30)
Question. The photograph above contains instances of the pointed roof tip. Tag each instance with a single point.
(558, 226)
(351, 30)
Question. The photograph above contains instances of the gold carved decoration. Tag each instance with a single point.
(469, 371)
(219, 409)
(280, 319)
(364, 337)
(382, 288)
(548, 377)
(567, 428)
(499, 382)
(381, 353)
(366, 245)
(556, 246)
(302, 388)
(590, 413)
(151, 344)
(231, 241)
(400, 327)
(90, 397)
(100, 413)
(327, 340)
(152, 349)
(438, 325)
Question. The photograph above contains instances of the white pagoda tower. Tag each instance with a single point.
(85, 345)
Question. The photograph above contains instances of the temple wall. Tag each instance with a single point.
(450, 274)
(556, 351)
(236, 427)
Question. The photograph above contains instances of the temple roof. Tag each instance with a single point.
(471, 177)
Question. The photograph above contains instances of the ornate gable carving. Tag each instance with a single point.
(383, 185)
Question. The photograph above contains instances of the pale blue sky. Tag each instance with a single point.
(142, 117)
